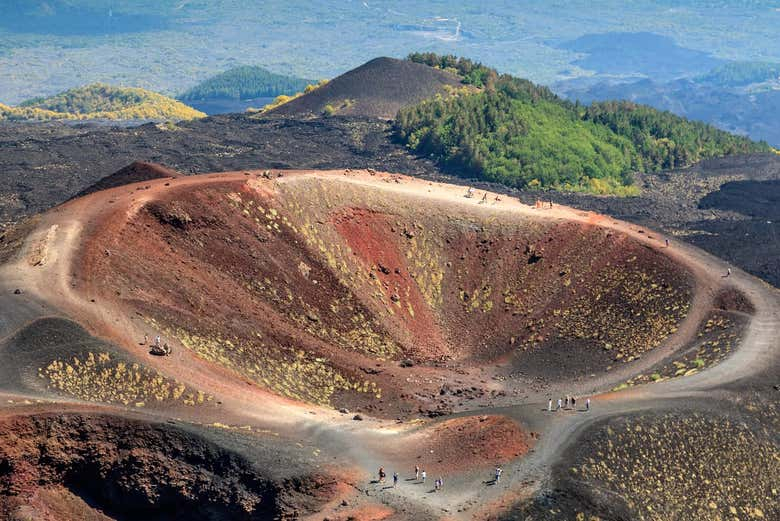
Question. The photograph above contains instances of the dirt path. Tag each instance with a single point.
(45, 266)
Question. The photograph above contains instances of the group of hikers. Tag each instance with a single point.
(420, 476)
(563, 403)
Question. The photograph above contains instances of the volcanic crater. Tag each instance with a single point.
(317, 288)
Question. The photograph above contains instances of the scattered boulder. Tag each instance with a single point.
(406, 363)
(358, 418)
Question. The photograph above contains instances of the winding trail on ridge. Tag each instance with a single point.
(46, 266)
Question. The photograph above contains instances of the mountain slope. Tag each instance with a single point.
(378, 88)
(100, 101)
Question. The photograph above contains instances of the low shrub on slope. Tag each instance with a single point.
(100, 101)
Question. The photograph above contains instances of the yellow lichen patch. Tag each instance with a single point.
(293, 374)
(690, 466)
(715, 341)
(426, 266)
(100, 378)
(630, 313)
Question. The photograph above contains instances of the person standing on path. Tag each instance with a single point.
(498, 474)
(417, 473)
(559, 404)
(395, 479)
(423, 475)
(667, 242)
(573, 402)
(549, 405)
(587, 404)
(566, 403)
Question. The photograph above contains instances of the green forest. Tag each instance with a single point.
(520, 134)
(246, 82)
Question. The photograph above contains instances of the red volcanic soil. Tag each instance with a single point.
(375, 241)
(467, 443)
(316, 287)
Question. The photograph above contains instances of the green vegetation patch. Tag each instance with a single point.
(520, 134)
(245, 82)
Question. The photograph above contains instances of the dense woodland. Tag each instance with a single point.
(245, 82)
(520, 134)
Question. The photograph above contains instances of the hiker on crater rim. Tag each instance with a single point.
(728, 273)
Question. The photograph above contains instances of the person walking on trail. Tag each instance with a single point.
(587, 404)
(566, 402)
(417, 473)
(382, 474)
(728, 273)
(436, 485)
(549, 405)
(423, 475)
(395, 479)
(573, 401)
(667, 242)
(498, 474)
(441, 482)
(157, 341)
(560, 402)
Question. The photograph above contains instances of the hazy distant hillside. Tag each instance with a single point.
(101, 101)
(738, 97)
(739, 74)
(520, 134)
(645, 54)
(245, 82)
(378, 88)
